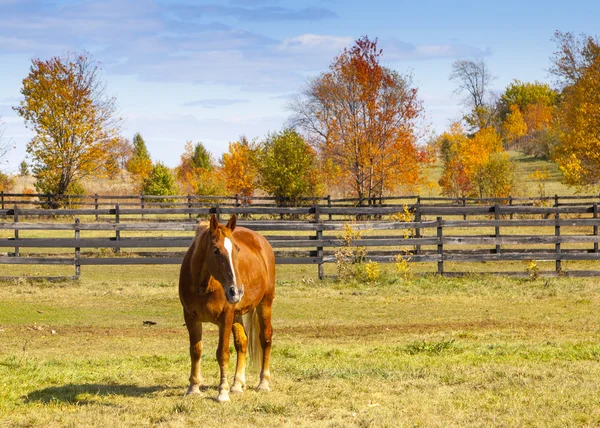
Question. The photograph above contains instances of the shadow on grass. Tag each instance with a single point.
(89, 393)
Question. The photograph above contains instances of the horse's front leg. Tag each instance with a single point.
(195, 332)
(223, 354)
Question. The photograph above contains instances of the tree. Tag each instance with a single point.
(288, 167)
(23, 169)
(527, 110)
(159, 182)
(197, 171)
(362, 117)
(473, 80)
(573, 57)
(139, 164)
(123, 151)
(578, 123)
(66, 105)
(239, 168)
(474, 166)
(514, 126)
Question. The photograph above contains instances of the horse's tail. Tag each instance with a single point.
(252, 328)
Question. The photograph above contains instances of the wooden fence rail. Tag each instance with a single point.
(143, 201)
(437, 237)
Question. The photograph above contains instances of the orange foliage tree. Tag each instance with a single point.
(361, 116)
(197, 172)
(239, 168)
(65, 104)
(577, 65)
(476, 166)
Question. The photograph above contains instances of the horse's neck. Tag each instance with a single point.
(199, 269)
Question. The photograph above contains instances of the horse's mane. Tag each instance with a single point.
(202, 226)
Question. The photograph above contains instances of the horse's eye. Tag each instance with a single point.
(216, 250)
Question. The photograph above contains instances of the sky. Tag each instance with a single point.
(211, 71)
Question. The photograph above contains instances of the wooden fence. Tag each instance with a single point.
(440, 236)
(143, 201)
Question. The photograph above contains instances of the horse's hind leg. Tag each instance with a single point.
(241, 346)
(195, 331)
(266, 332)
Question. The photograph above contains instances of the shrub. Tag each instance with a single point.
(159, 182)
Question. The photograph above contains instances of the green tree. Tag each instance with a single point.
(23, 169)
(160, 181)
(523, 94)
(201, 158)
(288, 167)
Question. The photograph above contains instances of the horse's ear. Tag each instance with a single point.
(232, 222)
(214, 224)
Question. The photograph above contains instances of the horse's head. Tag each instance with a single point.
(222, 258)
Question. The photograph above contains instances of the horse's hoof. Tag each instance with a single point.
(193, 389)
(264, 387)
(223, 397)
(237, 388)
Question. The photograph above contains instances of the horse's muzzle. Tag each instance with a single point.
(234, 294)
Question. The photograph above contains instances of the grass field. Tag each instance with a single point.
(478, 351)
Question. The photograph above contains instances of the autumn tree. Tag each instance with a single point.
(288, 167)
(198, 173)
(473, 81)
(527, 110)
(239, 167)
(575, 55)
(578, 124)
(74, 121)
(474, 166)
(362, 117)
(139, 164)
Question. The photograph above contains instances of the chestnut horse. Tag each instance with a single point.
(228, 278)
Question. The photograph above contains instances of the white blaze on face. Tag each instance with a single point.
(229, 248)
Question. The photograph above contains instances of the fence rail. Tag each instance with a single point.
(194, 201)
(494, 233)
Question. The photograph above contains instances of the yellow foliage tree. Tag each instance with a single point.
(476, 166)
(65, 104)
(514, 126)
(239, 168)
(578, 154)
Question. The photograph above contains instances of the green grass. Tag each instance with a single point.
(475, 351)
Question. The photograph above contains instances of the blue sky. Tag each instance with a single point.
(212, 70)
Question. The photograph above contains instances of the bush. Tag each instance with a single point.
(160, 182)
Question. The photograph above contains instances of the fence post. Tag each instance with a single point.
(418, 220)
(96, 204)
(329, 205)
(77, 250)
(510, 202)
(237, 200)
(440, 247)
(117, 232)
(557, 245)
(596, 226)
(497, 228)
(464, 203)
(16, 220)
(218, 212)
(319, 237)
(189, 199)
(142, 203)
(2, 195)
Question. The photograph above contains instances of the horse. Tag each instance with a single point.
(227, 277)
